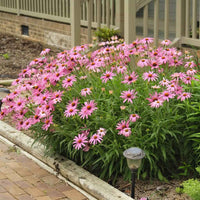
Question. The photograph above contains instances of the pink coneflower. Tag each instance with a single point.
(44, 52)
(94, 66)
(47, 123)
(19, 104)
(27, 124)
(134, 117)
(130, 78)
(87, 147)
(73, 103)
(164, 82)
(179, 90)
(86, 91)
(163, 59)
(96, 138)
(80, 141)
(147, 40)
(187, 80)
(150, 76)
(126, 132)
(68, 81)
(83, 77)
(70, 111)
(190, 64)
(101, 131)
(191, 72)
(36, 118)
(86, 131)
(154, 64)
(156, 104)
(19, 124)
(107, 76)
(57, 96)
(128, 95)
(177, 76)
(175, 62)
(172, 87)
(154, 97)
(121, 69)
(166, 95)
(20, 114)
(17, 81)
(87, 109)
(155, 87)
(166, 42)
(3, 113)
(184, 95)
(142, 63)
(123, 124)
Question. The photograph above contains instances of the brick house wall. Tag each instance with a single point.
(44, 31)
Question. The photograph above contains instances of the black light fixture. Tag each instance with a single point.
(134, 156)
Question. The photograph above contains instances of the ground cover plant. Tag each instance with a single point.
(191, 187)
(92, 105)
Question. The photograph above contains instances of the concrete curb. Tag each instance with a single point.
(68, 169)
(6, 82)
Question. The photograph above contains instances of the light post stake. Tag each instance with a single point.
(133, 175)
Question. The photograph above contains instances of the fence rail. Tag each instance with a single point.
(132, 17)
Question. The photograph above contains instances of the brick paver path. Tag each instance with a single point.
(22, 179)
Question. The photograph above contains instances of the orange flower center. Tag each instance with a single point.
(130, 78)
(89, 107)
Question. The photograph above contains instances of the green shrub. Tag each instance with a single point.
(191, 187)
(90, 107)
(105, 34)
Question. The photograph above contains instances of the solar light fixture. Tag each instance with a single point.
(134, 156)
(3, 93)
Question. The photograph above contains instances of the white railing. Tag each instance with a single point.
(133, 18)
(183, 22)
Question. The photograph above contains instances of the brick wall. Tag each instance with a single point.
(44, 31)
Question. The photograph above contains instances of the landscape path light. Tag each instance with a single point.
(3, 93)
(134, 156)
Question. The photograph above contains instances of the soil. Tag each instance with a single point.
(16, 53)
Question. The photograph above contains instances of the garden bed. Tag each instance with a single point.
(16, 53)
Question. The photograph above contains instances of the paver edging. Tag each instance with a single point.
(67, 168)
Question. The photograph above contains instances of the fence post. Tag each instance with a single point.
(75, 10)
(18, 8)
(156, 22)
(108, 13)
(89, 18)
(194, 19)
(130, 21)
(179, 18)
(98, 14)
(119, 16)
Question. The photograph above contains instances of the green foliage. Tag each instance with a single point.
(179, 190)
(105, 34)
(192, 187)
(169, 134)
(6, 56)
(191, 134)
